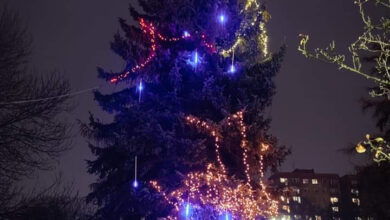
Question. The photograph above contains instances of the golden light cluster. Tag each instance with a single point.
(252, 6)
(214, 188)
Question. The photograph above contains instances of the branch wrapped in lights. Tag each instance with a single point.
(154, 36)
(150, 31)
(256, 18)
(214, 188)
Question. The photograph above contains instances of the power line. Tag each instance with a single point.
(49, 98)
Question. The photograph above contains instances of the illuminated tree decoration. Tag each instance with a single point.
(255, 19)
(140, 88)
(148, 118)
(186, 34)
(135, 182)
(215, 190)
(194, 59)
(222, 19)
(232, 69)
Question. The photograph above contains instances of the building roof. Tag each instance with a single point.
(304, 173)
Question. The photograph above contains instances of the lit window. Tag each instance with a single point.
(356, 201)
(296, 190)
(283, 180)
(314, 181)
(297, 199)
(297, 217)
(285, 217)
(334, 200)
(355, 191)
(317, 217)
(305, 181)
(286, 208)
(335, 209)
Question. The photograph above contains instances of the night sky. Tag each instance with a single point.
(316, 110)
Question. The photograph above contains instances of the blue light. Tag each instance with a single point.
(232, 69)
(187, 210)
(222, 18)
(135, 184)
(196, 59)
(225, 216)
(140, 87)
(186, 34)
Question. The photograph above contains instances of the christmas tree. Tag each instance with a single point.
(186, 61)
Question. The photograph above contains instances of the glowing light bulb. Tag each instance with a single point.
(186, 34)
(187, 210)
(232, 69)
(140, 87)
(222, 18)
(196, 58)
(135, 184)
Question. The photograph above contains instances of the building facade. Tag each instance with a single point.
(307, 195)
(350, 201)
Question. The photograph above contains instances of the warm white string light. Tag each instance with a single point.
(215, 188)
(262, 38)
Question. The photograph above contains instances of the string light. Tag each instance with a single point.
(264, 147)
(196, 59)
(222, 19)
(232, 67)
(262, 38)
(150, 31)
(227, 216)
(208, 45)
(135, 182)
(231, 49)
(249, 3)
(187, 210)
(140, 88)
(229, 197)
(186, 34)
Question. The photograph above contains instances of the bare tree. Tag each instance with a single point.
(32, 134)
(54, 202)
(374, 42)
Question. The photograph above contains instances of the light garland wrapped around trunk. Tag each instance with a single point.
(216, 193)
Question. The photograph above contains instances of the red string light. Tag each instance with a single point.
(150, 31)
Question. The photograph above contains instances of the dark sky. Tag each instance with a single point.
(316, 110)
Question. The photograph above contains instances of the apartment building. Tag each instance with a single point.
(307, 195)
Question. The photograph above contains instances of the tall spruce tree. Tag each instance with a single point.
(178, 63)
